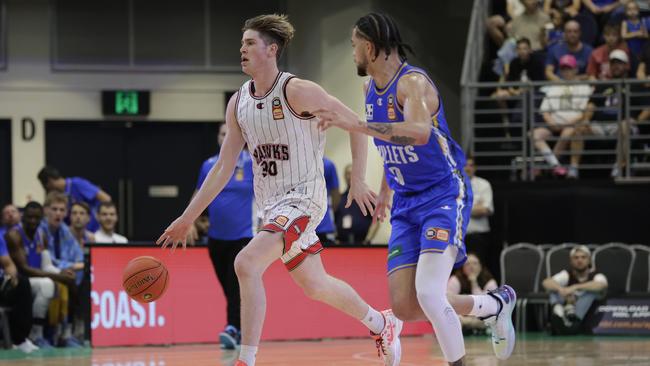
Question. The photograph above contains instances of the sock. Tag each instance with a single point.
(67, 331)
(37, 331)
(550, 158)
(484, 306)
(247, 354)
(374, 320)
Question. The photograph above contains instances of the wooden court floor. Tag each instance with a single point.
(418, 351)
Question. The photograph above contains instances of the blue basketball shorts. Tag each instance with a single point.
(429, 221)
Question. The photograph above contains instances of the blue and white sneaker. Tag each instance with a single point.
(502, 329)
(42, 343)
(230, 337)
(71, 342)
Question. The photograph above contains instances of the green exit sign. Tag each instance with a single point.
(125, 102)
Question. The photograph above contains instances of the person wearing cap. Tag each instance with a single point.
(598, 66)
(607, 115)
(574, 290)
(571, 45)
(563, 109)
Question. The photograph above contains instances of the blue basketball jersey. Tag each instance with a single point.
(411, 168)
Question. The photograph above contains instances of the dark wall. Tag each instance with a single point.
(437, 31)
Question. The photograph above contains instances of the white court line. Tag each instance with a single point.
(362, 356)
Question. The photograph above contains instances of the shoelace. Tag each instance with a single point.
(379, 343)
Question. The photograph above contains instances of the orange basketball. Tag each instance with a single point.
(145, 279)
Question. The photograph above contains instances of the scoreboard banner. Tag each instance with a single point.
(193, 310)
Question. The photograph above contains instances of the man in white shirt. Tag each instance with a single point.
(573, 291)
(477, 239)
(563, 110)
(107, 214)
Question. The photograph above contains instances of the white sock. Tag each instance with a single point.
(247, 354)
(484, 305)
(550, 158)
(37, 332)
(67, 331)
(374, 320)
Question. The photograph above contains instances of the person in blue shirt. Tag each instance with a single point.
(571, 45)
(16, 294)
(77, 189)
(326, 230)
(10, 218)
(633, 31)
(432, 199)
(231, 228)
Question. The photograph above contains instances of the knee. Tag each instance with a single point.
(538, 134)
(406, 312)
(567, 132)
(315, 290)
(246, 266)
(433, 297)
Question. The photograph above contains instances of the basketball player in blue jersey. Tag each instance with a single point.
(432, 200)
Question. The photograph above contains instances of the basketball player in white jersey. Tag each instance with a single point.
(268, 114)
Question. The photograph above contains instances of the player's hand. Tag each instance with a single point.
(327, 119)
(176, 233)
(363, 195)
(383, 203)
(193, 235)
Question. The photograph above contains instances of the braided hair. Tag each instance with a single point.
(381, 30)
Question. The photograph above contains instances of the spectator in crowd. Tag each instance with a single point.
(633, 30)
(570, 7)
(530, 24)
(605, 11)
(202, 225)
(562, 109)
(505, 11)
(27, 244)
(477, 238)
(326, 230)
(10, 218)
(471, 279)
(230, 229)
(79, 219)
(77, 189)
(573, 291)
(107, 214)
(554, 31)
(570, 46)
(352, 227)
(598, 67)
(16, 295)
(607, 115)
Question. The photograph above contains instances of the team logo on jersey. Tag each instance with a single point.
(391, 108)
(281, 220)
(239, 174)
(369, 111)
(277, 109)
(380, 102)
(434, 233)
(259, 105)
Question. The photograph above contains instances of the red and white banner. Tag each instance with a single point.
(193, 310)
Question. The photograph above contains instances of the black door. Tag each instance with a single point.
(148, 168)
(5, 162)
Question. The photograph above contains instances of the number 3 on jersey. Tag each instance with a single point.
(398, 174)
(269, 168)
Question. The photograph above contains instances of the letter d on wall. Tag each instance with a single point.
(28, 129)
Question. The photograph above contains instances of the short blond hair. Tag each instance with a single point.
(273, 28)
(55, 197)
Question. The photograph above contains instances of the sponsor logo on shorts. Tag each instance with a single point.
(281, 220)
(395, 252)
(434, 233)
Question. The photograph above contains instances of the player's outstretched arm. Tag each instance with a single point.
(420, 101)
(219, 175)
(306, 96)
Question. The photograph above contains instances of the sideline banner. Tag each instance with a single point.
(623, 316)
(193, 310)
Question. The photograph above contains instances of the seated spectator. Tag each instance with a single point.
(27, 244)
(554, 31)
(497, 23)
(16, 294)
(570, 7)
(77, 189)
(352, 227)
(202, 225)
(471, 279)
(606, 108)
(79, 219)
(326, 230)
(633, 31)
(10, 218)
(605, 11)
(598, 67)
(570, 46)
(562, 109)
(530, 24)
(573, 291)
(107, 214)
(477, 239)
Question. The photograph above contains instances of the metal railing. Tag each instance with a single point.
(501, 128)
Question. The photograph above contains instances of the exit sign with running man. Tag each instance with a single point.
(125, 102)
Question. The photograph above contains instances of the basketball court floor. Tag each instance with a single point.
(535, 349)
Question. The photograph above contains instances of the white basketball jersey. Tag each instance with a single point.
(286, 148)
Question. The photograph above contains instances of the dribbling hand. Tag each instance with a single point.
(176, 233)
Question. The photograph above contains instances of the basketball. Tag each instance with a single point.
(145, 279)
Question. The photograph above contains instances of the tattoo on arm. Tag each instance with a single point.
(402, 140)
(387, 129)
